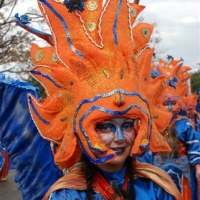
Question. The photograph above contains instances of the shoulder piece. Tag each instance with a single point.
(158, 176)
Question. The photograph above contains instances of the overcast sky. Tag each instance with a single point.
(178, 22)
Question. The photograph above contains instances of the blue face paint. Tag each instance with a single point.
(110, 129)
(169, 105)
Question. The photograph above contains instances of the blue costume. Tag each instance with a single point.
(145, 189)
(30, 154)
(182, 165)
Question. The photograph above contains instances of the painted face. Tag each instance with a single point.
(169, 105)
(119, 135)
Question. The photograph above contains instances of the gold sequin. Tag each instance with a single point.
(171, 66)
(54, 58)
(133, 12)
(39, 55)
(91, 26)
(92, 5)
(146, 33)
(144, 142)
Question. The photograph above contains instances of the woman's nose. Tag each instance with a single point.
(119, 136)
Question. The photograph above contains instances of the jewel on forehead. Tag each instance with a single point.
(118, 100)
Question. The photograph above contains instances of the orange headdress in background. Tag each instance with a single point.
(177, 75)
(190, 102)
(98, 66)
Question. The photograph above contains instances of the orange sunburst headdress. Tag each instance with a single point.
(97, 67)
(190, 102)
(177, 75)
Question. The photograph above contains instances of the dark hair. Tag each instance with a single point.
(89, 170)
(172, 138)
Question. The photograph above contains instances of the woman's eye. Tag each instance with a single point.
(104, 128)
(128, 126)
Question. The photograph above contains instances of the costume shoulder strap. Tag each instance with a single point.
(158, 176)
(74, 179)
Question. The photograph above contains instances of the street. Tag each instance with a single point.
(8, 188)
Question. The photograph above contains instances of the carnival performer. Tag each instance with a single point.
(97, 75)
(190, 102)
(183, 162)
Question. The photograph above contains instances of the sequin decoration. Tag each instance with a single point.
(133, 12)
(144, 144)
(92, 5)
(39, 55)
(168, 73)
(54, 58)
(91, 26)
(146, 33)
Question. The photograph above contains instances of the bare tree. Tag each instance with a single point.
(14, 41)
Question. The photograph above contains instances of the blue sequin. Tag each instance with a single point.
(116, 21)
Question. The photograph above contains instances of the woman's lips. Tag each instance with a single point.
(118, 150)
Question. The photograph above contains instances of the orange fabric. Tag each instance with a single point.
(104, 188)
(89, 62)
(5, 169)
(175, 68)
(186, 189)
(191, 101)
(182, 150)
